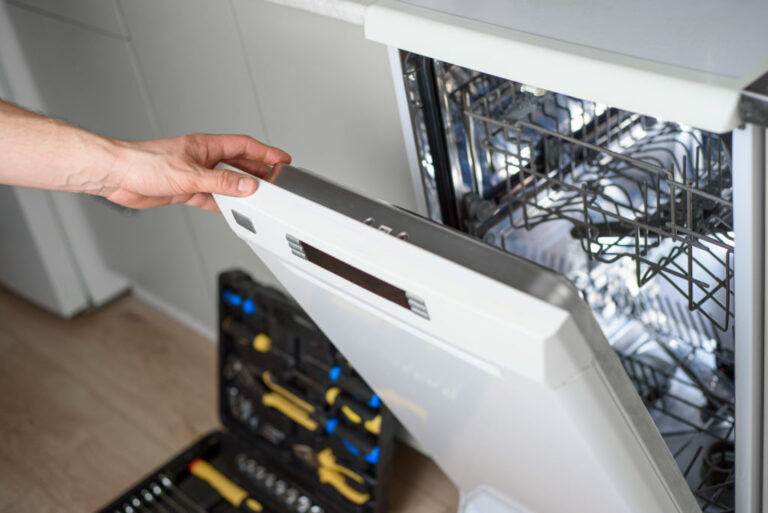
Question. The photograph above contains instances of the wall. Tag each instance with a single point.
(139, 69)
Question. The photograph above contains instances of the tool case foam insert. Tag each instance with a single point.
(302, 432)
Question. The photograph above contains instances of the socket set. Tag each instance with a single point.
(302, 431)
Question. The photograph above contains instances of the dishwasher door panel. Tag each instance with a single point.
(494, 364)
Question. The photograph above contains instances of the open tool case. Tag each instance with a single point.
(302, 433)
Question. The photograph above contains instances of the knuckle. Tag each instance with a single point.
(190, 142)
(226, 181)
(185, 183)
(197, 139)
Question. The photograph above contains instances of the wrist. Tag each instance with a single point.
(94, 171)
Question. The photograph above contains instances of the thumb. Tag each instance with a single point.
(230, 183)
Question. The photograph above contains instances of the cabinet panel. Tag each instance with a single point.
(34, 259)
(84, 77)
(192, 62)
(327, 97)
(223, 251)
(99, 14)
(155, 248)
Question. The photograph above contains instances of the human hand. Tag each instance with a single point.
(154, 173)
(46, 153)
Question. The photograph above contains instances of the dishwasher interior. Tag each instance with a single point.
(636, 211)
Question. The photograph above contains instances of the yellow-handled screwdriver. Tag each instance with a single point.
(230, 491)
(354, 411)
(246, 336)
(308, 416)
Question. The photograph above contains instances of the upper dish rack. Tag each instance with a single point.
(631, 186)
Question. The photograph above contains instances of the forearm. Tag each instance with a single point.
(40, 152)
(44, 153)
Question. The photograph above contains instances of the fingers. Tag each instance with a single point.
(253, 167)
(200, 200)
(276, 156)
(222, 181)
(240, 147)
(203, 200)
(138, 201)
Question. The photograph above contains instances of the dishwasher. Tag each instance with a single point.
(579, 324)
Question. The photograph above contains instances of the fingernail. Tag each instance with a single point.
(244, 185)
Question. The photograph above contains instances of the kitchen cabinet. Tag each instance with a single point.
(84, 76)
(50, 282)
(156, 249)
(101, 15)
(41, 229)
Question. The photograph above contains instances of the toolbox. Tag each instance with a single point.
(302, 431)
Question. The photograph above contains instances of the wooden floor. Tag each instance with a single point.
(90, 405)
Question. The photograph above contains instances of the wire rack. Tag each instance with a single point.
(631, 186)
(675, 359)
(683, 372)
(697, 426)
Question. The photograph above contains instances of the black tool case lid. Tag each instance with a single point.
(273, 359)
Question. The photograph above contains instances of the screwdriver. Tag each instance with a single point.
(349, 407)
(349, 383)
(230, 491)
(354, 442)
(300, 411)
(353, 411)
(260, 342)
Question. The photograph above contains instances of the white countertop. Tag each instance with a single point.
(351, 11)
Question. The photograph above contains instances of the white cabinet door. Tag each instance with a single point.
(35, 261)
(84, 76)
(327, 97)
(156, 249)
(97, 14)
(192, 61)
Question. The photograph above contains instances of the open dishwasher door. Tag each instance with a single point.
(494, 364)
